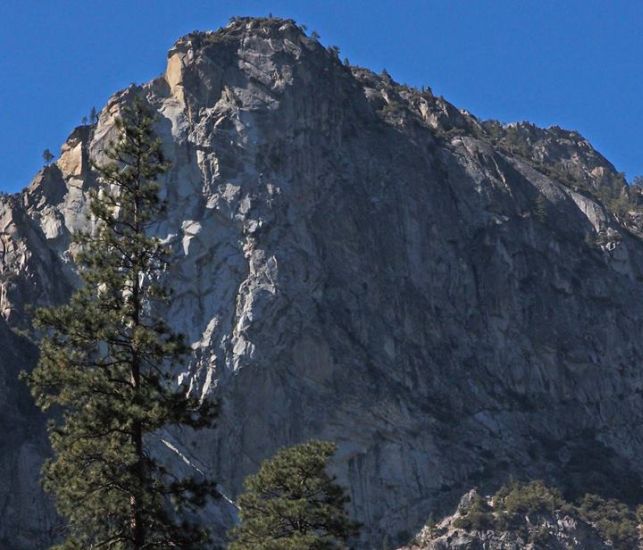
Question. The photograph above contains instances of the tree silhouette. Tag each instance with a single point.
(47, 156)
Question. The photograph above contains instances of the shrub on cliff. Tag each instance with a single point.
(614, 520)
(479, 516)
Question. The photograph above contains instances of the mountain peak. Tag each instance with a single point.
(242, 28)
(346, 251)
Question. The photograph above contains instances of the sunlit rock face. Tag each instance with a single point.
(359, 261)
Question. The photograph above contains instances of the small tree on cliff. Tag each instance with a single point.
(47, 156)
(292, 503)
(104, 368)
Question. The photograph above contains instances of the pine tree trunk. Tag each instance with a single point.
(138, 529)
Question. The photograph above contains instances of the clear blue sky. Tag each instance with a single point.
(575, 63)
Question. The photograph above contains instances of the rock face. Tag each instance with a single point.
(359, 261)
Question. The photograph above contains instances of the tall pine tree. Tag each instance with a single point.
(105, 360)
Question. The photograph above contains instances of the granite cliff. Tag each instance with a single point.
(452, 301)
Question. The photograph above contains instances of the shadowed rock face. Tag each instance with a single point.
(359, 261)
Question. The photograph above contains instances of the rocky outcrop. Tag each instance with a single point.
(557, 529)
(359, 261)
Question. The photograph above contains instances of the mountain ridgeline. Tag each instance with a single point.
(452, 301)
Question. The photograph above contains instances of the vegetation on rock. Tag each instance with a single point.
(517, 507)
(47, 156)
(614, 520)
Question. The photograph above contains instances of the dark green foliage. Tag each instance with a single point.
(614, 520)
(494, 129)
(514, 141)
(515, 502)
(479, 516)
(47, 156)
(510, 506)
(292, 503)
(93, 116)
(104, 367)
(541, 538)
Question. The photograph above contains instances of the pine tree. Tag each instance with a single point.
(292, 503)
(47, 156)
(105, 360)
(93, 116)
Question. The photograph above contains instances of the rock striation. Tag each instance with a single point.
(452, 301)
